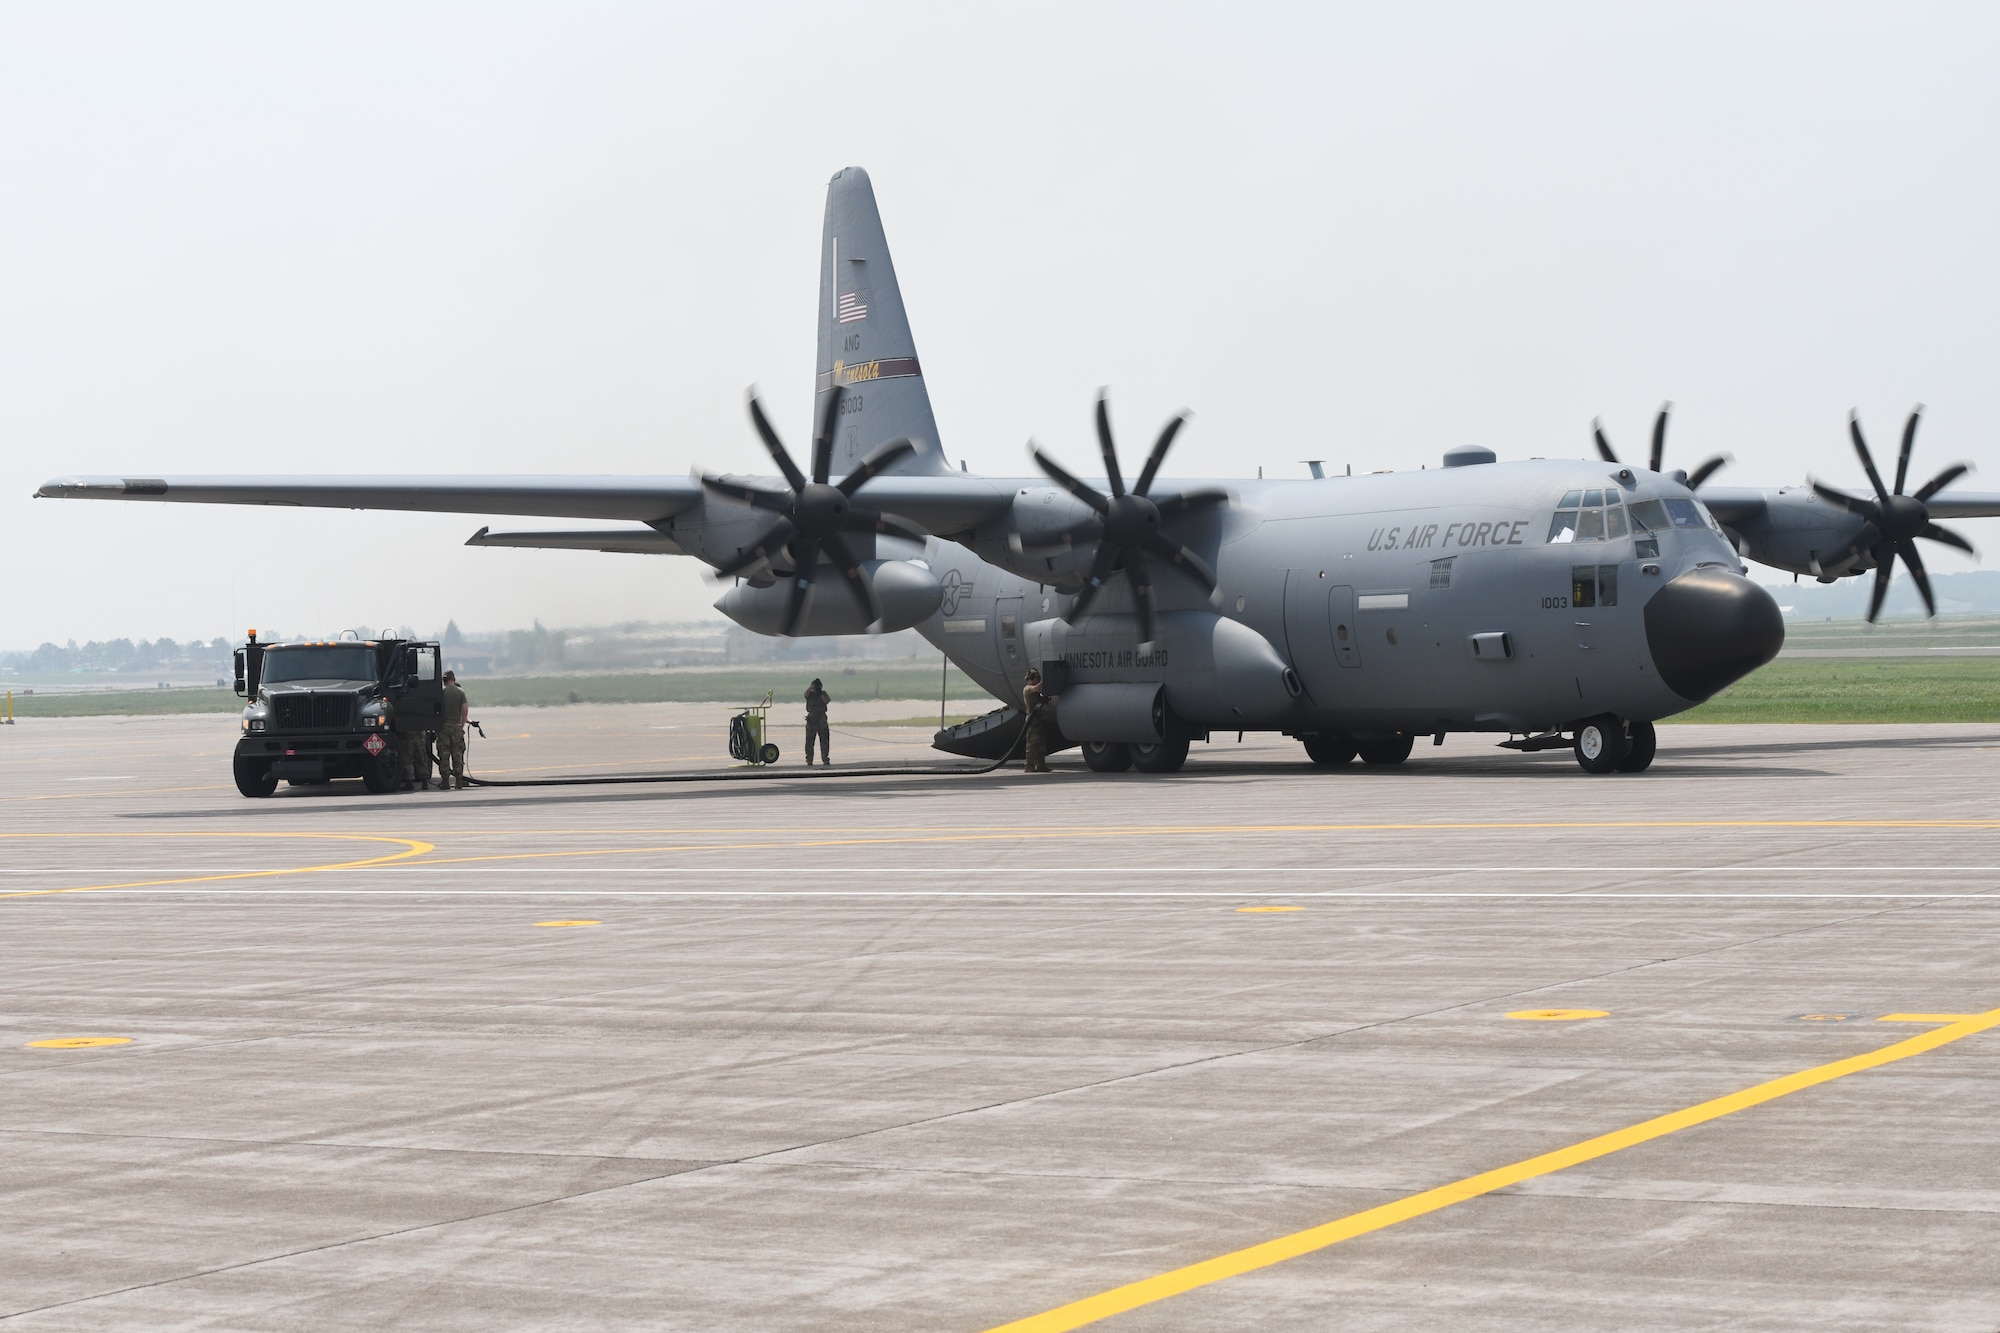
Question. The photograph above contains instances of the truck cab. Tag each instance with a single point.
(335, 708)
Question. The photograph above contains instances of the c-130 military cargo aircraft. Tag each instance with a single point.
(1560, 603)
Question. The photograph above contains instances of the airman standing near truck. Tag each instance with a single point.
(451, 734)
(816, 729)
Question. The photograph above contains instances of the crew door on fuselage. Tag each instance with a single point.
(1320, 631)
(1007, 640)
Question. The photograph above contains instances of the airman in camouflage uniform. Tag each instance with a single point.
(1035, 703)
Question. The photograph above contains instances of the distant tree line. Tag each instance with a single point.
(122, 655)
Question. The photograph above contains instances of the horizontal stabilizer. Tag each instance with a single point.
(630, 541)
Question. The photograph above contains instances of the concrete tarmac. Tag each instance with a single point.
(950, 1052)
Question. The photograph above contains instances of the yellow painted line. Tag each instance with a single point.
(411, 847)
(1133, 1295)
(1925, 1018)
(1270, 909)
(76, 1043)
(560, 924)
(1157, 831)
(1557, 1015)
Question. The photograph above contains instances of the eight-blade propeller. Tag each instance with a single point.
(1693, 479)
(813, 515)
(1127, 525)
(1894, 520)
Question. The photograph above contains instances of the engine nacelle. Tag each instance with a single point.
(907, 591)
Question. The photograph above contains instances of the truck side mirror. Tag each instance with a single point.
(242, 683)
(410, 662)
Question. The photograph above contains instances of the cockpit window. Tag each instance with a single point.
(1650, 515)
(1601, 518)
(1684, 514)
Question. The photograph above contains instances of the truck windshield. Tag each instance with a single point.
(333, 662)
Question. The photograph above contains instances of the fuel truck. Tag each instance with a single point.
(336, 708)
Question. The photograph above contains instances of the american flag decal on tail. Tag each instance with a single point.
(850, 306)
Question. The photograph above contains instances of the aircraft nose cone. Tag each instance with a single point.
(1709, 628)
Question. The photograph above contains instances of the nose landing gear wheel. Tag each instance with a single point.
(1600, 744)
(1644, 743)
(1107, 756)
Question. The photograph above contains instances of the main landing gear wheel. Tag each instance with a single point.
(1169, 754)
(1639, 757)
(1385, 751)
(1601, 744)
(1107, 756)
(253, 777)
(1330, 749)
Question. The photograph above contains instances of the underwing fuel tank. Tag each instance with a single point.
(907, 592)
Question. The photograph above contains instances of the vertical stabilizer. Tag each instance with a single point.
(864, 337)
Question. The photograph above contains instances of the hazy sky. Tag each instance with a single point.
(258, 238)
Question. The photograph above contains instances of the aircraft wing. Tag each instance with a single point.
(1964, 504)
(643, 499)
(953, 502)
(1732, 504)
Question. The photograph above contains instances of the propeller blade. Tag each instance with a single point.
(1867, 459)
(1947, 536)
(795, 605)
(850, 569)
(1659, 453)
(1883, 572)
(869, 520)
(1093, 582)
(767, 546)
(775, 445)
(1142, 594)
(1061, 477)
(755, 497)
(1909, 440)
(877, 461)
(1852, 504)
(1104, 444)
(1604, 450)
(1181, 558)
(1708, 469)
(1159, 454)
(1182, 501)
(1908, 550)
(1942, 480)
(823, 441)
(1063, 539)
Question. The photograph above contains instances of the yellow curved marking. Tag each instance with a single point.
(560, 924)
(1132, 1296)
(77, 1043)
(1557, 1015)
(411, 847)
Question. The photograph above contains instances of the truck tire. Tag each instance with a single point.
(253, 777)
(385, 774)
